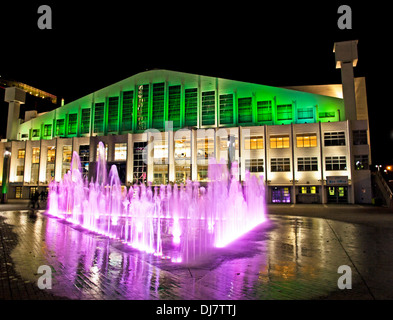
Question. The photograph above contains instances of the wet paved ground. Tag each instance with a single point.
(289, 257)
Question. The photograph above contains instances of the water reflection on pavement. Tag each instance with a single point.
(285, 258)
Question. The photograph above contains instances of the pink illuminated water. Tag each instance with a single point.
(180, 223)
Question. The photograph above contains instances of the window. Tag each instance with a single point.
(334, 138)
(18, 192)
(208, 108)
(99, 117)
(85, 121)
(191, 107)
(120, 151)
(72, 123)
(253, 143)
(205, 148)
(254, 165)
(98, 151)
(306, 140)
(280, 164)
(128, 103)
(140, 165)
(279, 142)
(264, 111)
(309, 190)
(158, 105)
(305, 114)
(51, 155)
(142, 107)
(20, 170)
(84, 156)
(361, 162)
(21, 153)
(35, 133)
(226, 109)
(307, 164)
(245, 110)
(60, 127)
(182, 160)
(36, 155)
(359, 137)
(327, 114)
(47, 130)
(113, 114)
(67, 156)
(336, 163)
(284, 112)
(174, 105)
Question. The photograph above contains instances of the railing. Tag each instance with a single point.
(384, 188)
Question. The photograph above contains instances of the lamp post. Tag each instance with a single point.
(6, 169)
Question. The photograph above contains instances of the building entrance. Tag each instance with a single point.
(337, 195)
(281, 195)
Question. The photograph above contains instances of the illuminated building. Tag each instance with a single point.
(310, 143)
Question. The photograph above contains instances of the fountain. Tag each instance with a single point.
(180, 223)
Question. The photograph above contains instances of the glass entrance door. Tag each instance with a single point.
(337, 194)
(281, 195)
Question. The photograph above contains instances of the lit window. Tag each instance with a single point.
(361, 162)
(36, 155)
(21, 153)
(106, 151)
(51, 154)
(120, 151)
(20, 170)
(306, 140)
(253, 143)
(279, 142)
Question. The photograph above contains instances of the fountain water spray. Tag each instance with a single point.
(179, 222)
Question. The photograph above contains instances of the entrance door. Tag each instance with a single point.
(337, 195)
(281, 195)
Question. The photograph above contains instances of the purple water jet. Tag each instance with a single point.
(180, 223)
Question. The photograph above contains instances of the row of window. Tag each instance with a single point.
(306, 140)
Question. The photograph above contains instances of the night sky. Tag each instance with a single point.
(281, 43)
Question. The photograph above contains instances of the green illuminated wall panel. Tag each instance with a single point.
(191, 107)
(174, 106)
(72, 123)
(128, 103)
(208, 108)
(113, 114)
(142, 120)
(158, 105)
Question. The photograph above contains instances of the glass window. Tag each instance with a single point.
(327, 114)
(120, 151)
(67, 156)
(20, 170)
(280, 164)
(307, 164)
(279, 142)
(182, 160)
(36, 155)
(99, 117)
(21, 153)
(306, 140)
(174, 105)
(208, 108)
(254, 165)
(140, 165)
(305, 114)
(334, 138)
(245, 110)
(361, 162)
(84, 156)
(142, 107)
(18, 192)
(60, 127)
(191, 107)
(113, 114)
(106, 151)
(359, 137)
(72, 123)
(264, 111)
(47, 130)
(158, 105)
(128, 102)
(253, 143)
(85, 121)
(35, 133)
(51, 154)
(336, 163)
(284, 112)
(226, 109)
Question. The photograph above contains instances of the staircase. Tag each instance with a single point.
(382, 190)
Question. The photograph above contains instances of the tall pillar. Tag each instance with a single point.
(346, 55)
(15, 97)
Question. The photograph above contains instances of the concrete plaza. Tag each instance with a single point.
(294, 255)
